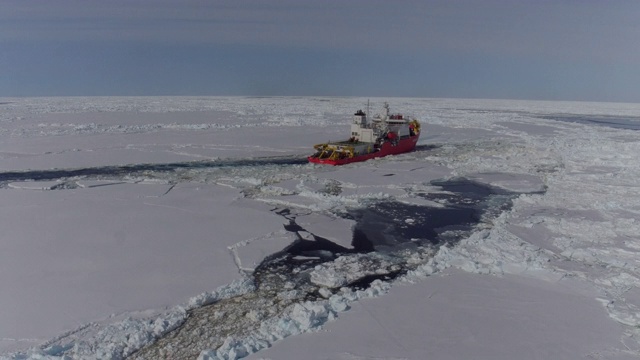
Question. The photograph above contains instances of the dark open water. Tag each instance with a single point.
(390, 225)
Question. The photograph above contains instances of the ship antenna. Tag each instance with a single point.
(367, 107)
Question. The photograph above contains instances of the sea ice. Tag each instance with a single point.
(100, 265)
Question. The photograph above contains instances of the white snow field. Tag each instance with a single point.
(123, 218)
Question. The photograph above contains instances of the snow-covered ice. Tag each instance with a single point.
(121, 215)
(458, 315)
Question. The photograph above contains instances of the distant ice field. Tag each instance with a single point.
(194, 227)
(618, 122)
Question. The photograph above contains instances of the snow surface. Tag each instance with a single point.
(99, 265)
(466, 316)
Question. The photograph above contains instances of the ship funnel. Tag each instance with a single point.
(360, 118)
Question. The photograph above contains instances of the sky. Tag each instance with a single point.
(583, 50)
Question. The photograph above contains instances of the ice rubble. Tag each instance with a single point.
(347, 269)
(122, 338)
(301, 318)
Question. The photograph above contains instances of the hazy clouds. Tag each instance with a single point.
(483, 47)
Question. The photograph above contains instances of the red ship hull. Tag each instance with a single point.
(404, 145)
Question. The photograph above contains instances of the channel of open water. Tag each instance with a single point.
(388, 228)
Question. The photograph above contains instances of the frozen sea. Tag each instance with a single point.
(193, 227)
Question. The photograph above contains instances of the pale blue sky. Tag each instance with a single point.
(554, 50)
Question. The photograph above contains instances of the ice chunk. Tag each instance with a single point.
(347, 269)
